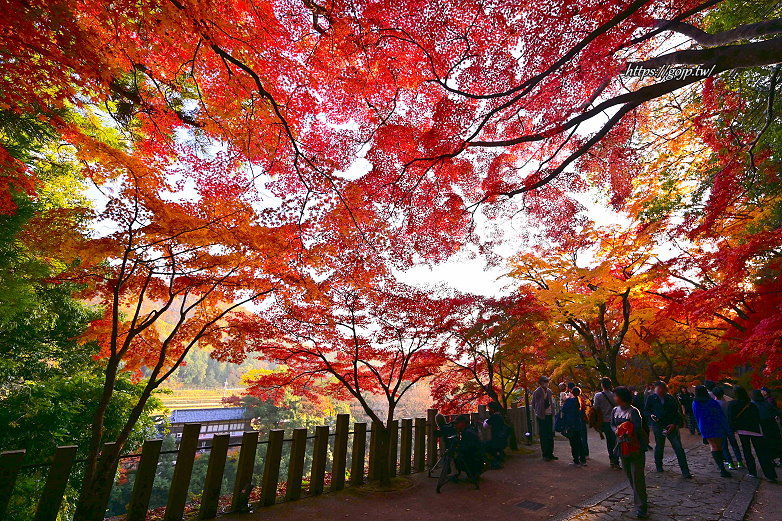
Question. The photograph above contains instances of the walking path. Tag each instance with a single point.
(707, 497)
(529, 489)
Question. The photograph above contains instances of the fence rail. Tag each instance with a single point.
(412, 447)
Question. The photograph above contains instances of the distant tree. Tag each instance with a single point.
(344, 339)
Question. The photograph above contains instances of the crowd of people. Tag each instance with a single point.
(629, 419)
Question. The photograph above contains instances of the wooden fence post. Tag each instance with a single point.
(359, 453)
(340, 452)
(373, 435)
(319, 456)
(10, 464)
(393, 442)
(520, 424)
(271, 467)
(406, 446)
(431, 439)
(296, 464)
(482, 412)
(420, 444)
(51, 496)
(244, 472)
(214, 476)
(145, 477)
(180, 482)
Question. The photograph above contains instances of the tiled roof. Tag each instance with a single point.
(207, 415)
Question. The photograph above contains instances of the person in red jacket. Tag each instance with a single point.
(627, 424)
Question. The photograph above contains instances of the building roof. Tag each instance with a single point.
(207, 415)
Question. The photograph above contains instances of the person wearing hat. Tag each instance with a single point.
(543, 407)
(663, 411)
(766, 392)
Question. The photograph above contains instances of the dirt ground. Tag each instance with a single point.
(528, 489)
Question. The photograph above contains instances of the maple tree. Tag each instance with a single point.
(310, 149)
(302, 89)
(348, 340)
(594, 285)
(711, 184)
(173, 258)
(499, 345)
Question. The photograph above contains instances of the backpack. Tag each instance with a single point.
(595, 418)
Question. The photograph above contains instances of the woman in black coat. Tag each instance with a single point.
(574, 426)
(744, 419)
(768, 422)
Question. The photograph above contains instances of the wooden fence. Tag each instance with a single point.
(412, 448)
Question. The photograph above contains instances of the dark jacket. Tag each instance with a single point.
(765, 409)
(638, 403)
(572, 416)
(499, 431)
(468, 452)
(667, 411)
(743, 416)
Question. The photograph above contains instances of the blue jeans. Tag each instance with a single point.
(676, 445)
(731, 438)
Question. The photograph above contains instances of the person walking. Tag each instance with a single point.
(685, 398)
(543, 407)
(730, 440)
(665, 416)
(744, 419)
(574, 425)
(604, 402)
(768, 422)
(628, 427)
(713, 425)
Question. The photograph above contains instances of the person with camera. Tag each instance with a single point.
(664, 412)
(467, 448)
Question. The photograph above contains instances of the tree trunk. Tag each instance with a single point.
(382, 460)
(96, 490)
(88, 507)
(513, 443)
